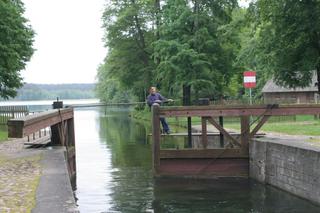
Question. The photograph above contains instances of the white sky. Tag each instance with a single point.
(68, 40)
(68, 43)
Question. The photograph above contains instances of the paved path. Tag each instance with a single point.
(54, 193)
(34, 178)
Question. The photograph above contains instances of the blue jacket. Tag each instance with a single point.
(152, 98)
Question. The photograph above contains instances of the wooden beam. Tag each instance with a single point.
(259, 125)
(21, 127)
(156, 136)
(201, 153)
(245, 131)
(204, 138)
(223, 131)
(204, 168)
(229, 111)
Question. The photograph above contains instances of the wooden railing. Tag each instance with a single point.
(61, 122)
(8, 112)
(166, 161)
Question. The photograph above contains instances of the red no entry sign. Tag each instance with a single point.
(249, 79)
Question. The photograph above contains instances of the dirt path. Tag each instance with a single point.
(20, 171)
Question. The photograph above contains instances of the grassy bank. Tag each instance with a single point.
(291, 125)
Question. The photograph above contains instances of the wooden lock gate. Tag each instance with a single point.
(231, 160)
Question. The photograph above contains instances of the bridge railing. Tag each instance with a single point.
(9, 112)
(236, 148)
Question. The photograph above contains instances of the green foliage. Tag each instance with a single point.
(16, 39)
(286, 38)
(128, 38)
(205, 46)
(191, 49)
(109, 89)
(179, 43)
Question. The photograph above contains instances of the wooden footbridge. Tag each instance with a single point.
(232, 159)
(61, 123)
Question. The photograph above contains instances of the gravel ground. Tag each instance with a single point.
(20, 172)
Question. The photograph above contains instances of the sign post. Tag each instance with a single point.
(249, 81)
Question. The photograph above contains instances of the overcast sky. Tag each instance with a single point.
(68, 40)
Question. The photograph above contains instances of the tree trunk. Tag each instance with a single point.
(158, 18)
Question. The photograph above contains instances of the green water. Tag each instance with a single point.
(114, 174)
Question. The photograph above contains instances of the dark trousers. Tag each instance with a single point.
(165, 125)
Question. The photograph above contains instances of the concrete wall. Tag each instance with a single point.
(291, 165)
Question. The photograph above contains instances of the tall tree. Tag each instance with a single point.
(16, 39)
(190, 50)
(128, 38)
(288, 35)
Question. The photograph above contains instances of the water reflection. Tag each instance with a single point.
(114, 174)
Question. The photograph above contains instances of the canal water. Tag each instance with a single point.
(114, 174)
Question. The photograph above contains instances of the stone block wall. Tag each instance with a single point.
(289, 165)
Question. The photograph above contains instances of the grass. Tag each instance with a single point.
(291, 125)
(3, 133)
(301, 125)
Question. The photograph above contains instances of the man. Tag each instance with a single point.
(156, 98)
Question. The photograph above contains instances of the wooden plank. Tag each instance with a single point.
(204, 168)
(194, 134)
(199, 134)
(156, 137)
(71, 136)
(39, 141)
(229, 111)
(245, 131)
(223, 131)
(202, 153)
(204, 138)
(20, 127)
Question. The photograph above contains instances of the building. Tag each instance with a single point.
(273, 93)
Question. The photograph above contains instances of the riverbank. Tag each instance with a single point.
(22, 170)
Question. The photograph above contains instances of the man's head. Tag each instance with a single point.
(152, 90)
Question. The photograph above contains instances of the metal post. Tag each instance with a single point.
(189, 133)
(250, 93)
(221, 135)
(204, 137)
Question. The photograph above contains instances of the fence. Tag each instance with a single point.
(8, 112)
